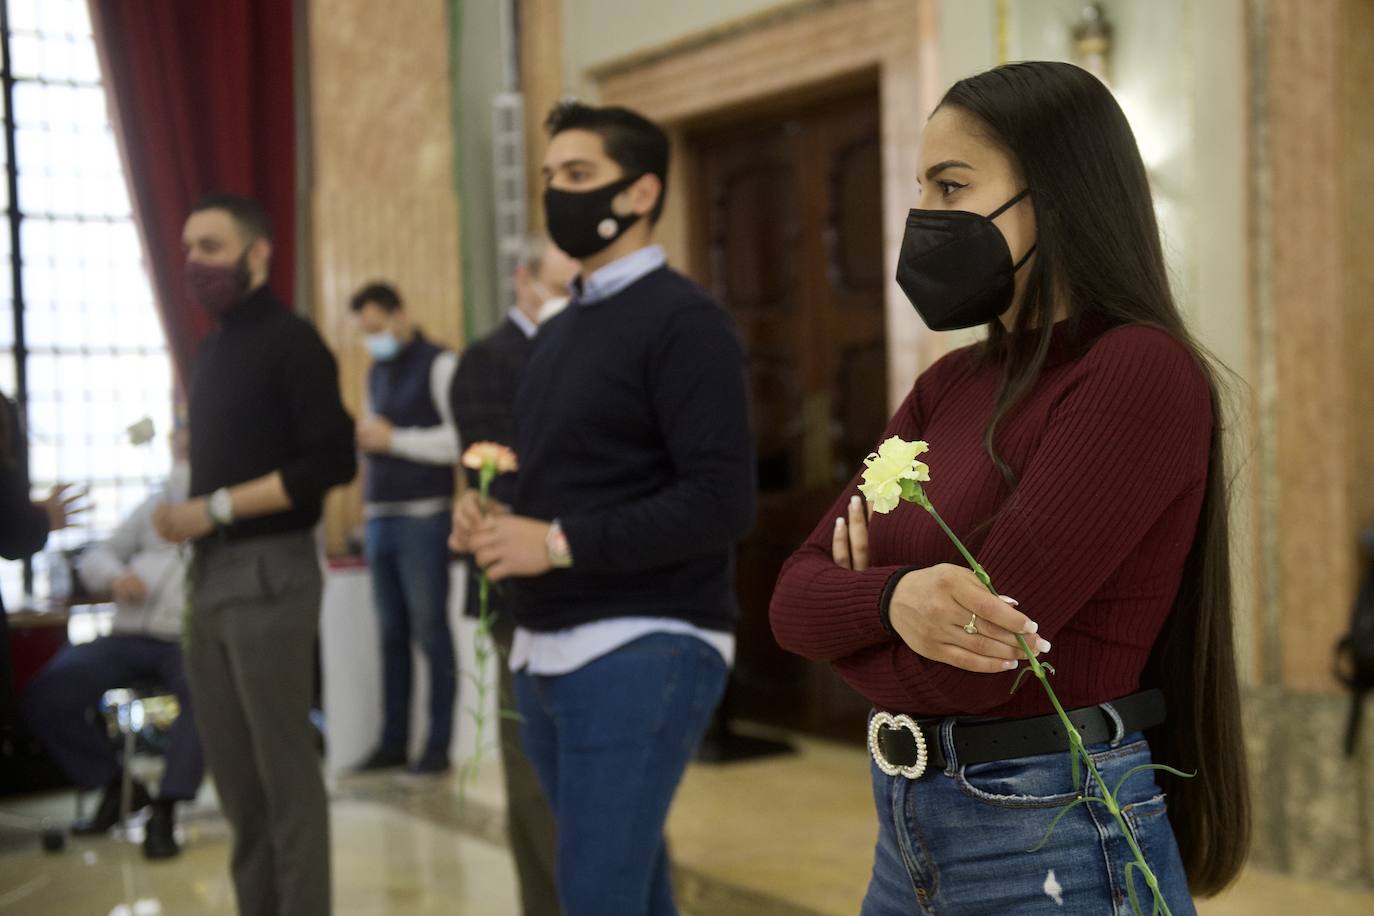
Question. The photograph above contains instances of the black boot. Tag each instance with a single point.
(159, 838)
(108, 814)
(382, 758)
(431, 764)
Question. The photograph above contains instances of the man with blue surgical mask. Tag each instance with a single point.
(411, 448)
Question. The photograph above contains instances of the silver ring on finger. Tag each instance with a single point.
(971, 628)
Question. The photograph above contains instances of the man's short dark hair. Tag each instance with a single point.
(251, 216)
(382, 295)
(632, 141)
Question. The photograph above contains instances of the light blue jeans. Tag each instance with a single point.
(955, 842)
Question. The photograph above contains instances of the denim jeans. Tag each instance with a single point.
(60, 705)
(610, 742)
(955, 842)
(409, 562)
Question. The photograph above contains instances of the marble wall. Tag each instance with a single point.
(1357, 161)
(382, 193)
(542, 81)
(1312, 174)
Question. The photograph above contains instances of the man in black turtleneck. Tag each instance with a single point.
(269, 437)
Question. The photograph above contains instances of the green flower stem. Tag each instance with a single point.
(483, 642)
(1076, 748)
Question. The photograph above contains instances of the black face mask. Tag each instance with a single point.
(582, 222)
(955, 267)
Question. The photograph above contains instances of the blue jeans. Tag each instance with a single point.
(60, 708)
(955, 842)
(610, 742)
(409, 562)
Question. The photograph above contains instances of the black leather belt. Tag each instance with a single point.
(909, 747)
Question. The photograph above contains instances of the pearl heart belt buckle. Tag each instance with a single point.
(885, 720)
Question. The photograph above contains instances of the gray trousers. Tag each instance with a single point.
(255, 608)
(529, 821)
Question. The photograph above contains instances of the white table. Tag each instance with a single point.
(351, 657)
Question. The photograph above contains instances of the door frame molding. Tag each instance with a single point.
(783, 54)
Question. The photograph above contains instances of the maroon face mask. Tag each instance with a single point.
(218, 288)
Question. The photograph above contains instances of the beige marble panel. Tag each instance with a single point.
(381, 101)
(383, 200)
(1312, 418)
(1358, 159)
(1322, 789)
(1358, 138)
(541, 82)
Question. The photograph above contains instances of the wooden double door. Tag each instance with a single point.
(787, 232)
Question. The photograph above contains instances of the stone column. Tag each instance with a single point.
(1314, 460)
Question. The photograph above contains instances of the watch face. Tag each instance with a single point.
(560, 555)
(221, 506)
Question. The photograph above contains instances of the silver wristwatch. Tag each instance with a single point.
(557, 547)
(221, 507)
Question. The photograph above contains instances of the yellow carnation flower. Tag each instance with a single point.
(885, 469)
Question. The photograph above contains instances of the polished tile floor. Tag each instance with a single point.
(782, 836)
(385, 862)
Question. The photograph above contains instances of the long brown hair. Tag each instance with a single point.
(1098, 250)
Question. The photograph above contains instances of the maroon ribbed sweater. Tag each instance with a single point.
(1110, 450)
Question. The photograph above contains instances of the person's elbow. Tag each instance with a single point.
(793, 633)
(741, 513)
(26, 537)
(789, 619)
(338, 462)
(344, 467)
(306, 481)
(733, 496)
(745, 503)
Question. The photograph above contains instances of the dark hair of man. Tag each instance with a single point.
(382, 295)
(249, 215)
(632, 141)
(1098, 247)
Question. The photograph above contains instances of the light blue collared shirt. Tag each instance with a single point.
(522, 321)
(564, 651)
(615, 276)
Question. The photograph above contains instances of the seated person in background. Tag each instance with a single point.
(146, 576)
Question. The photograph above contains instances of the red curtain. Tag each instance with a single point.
(201, 96)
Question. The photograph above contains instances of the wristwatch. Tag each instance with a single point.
(556, 544)
(220, 505)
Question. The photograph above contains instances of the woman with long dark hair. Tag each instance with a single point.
(1077, 451)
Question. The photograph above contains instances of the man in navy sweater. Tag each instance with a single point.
(411, 447)
(636, 482)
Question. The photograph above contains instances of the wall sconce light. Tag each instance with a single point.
(1092, 42)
